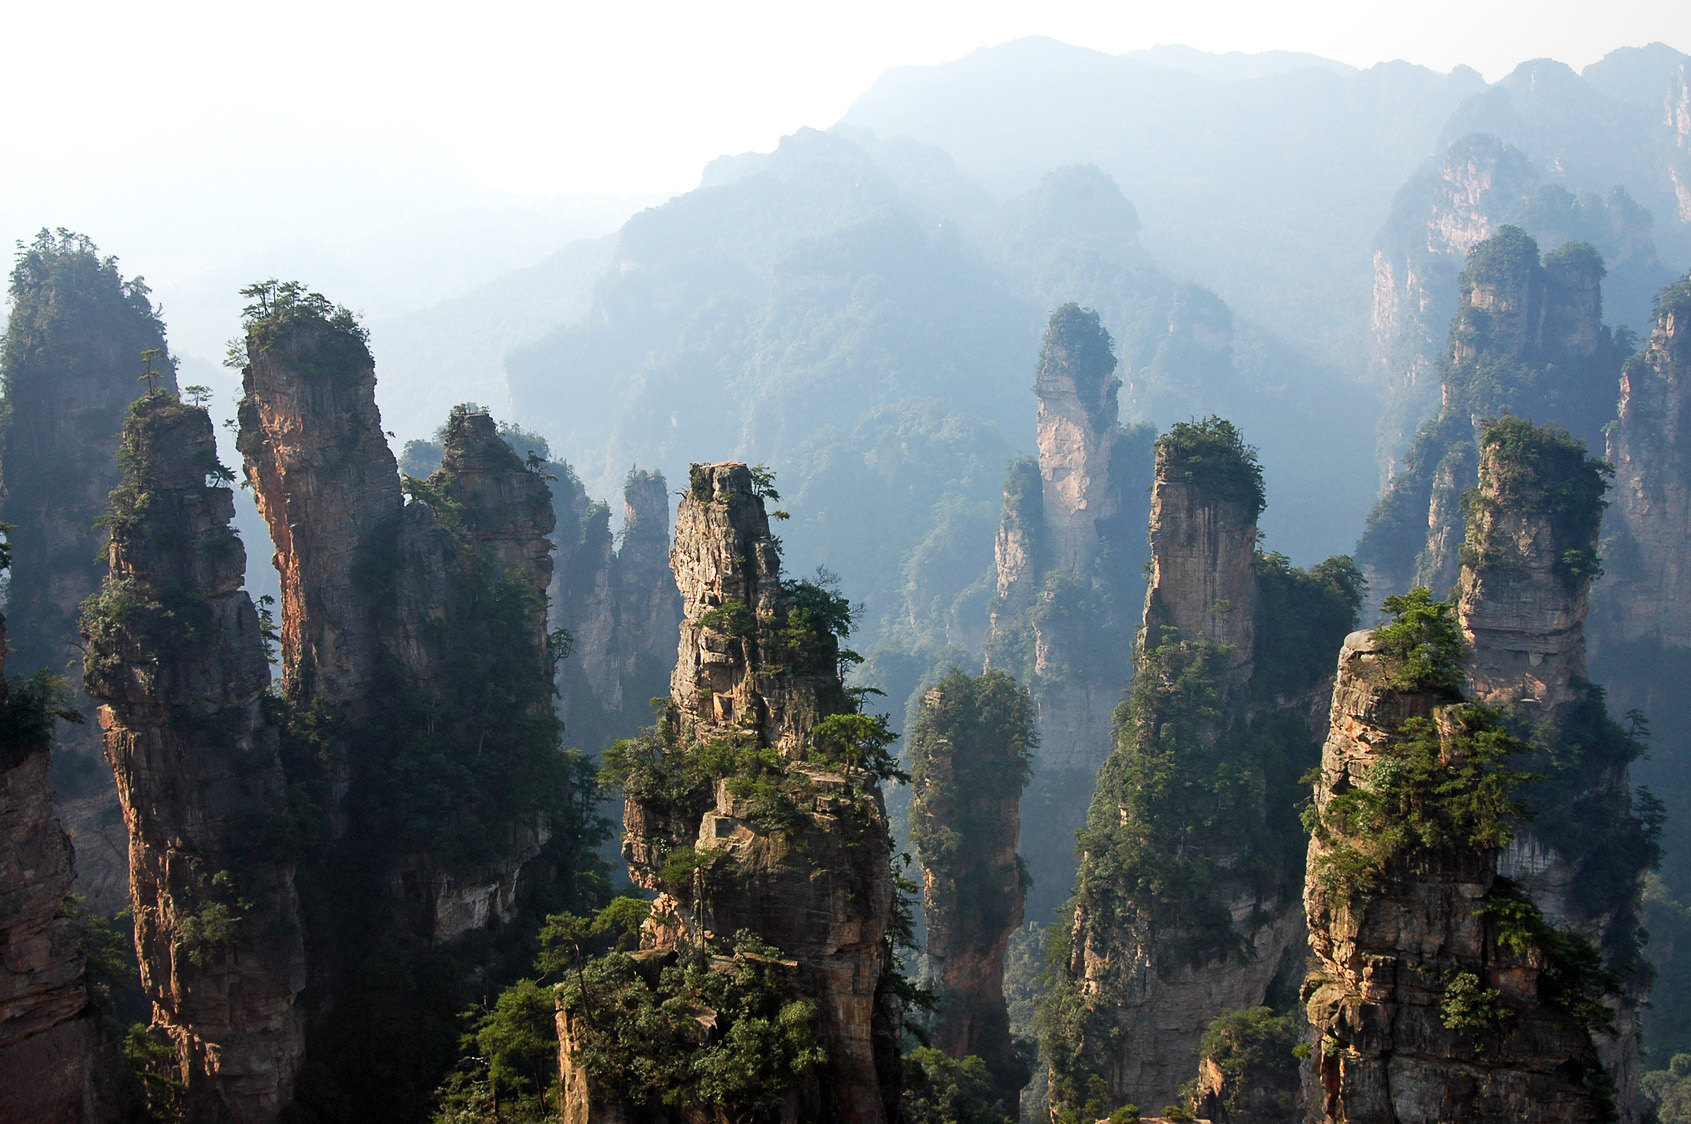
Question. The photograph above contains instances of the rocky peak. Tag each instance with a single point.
(327, 486)
(970, 749)
(1433, 993)
(729, 572)
(1077, 426)
(506, 506)
(175, 651)
(790, 845)
(1204, 508)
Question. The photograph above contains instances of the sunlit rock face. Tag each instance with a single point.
(1068, 551)
(176, 654)
(819, 887)
(1386, 1047)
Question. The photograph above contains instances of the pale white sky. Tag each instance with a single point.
(554, 98)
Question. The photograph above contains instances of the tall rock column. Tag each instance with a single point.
(970, 750)
(175, 651)
(327, 485)
(755, 807)
(1077, 428)
(1528, 567)
(1069, 583)
(1185, 907)
(71, 365)
(1439, 992)
(1204, 509)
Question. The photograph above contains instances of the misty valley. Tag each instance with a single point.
(1098, 588)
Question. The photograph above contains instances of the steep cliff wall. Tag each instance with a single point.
(70, 364)
(971, 746)
(1438, 218)
(56, 1064)
(1647, 594)
(1526, 578)
(754, 808)
(1527, 338)
(1185, 906)
(1440, 992)
(1068, 552)
(416, 712)
(175, 651)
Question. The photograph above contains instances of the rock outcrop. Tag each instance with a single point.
(1527, 338)
(1186, 904)
(1646, 596)
(1526, 579)
(1438, 992)
(71, 365)
(1068, 555)
(970, 748)
(56, 1063)
(762, 776)
(175, 651)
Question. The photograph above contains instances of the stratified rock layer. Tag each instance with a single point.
(1385, 958)
(175, 652)
(1186, 906)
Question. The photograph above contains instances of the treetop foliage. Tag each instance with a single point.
(1211, 455)
(1076, 342)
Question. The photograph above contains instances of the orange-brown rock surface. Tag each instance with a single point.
(176, 654)
(1068, 549)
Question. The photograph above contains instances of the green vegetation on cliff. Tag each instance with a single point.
(1212, 456)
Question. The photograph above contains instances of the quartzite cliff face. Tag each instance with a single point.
(817, 883)
(1527, 338)
(1440, 216)
(1068, 556)
(176, 654)
(619, 604)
